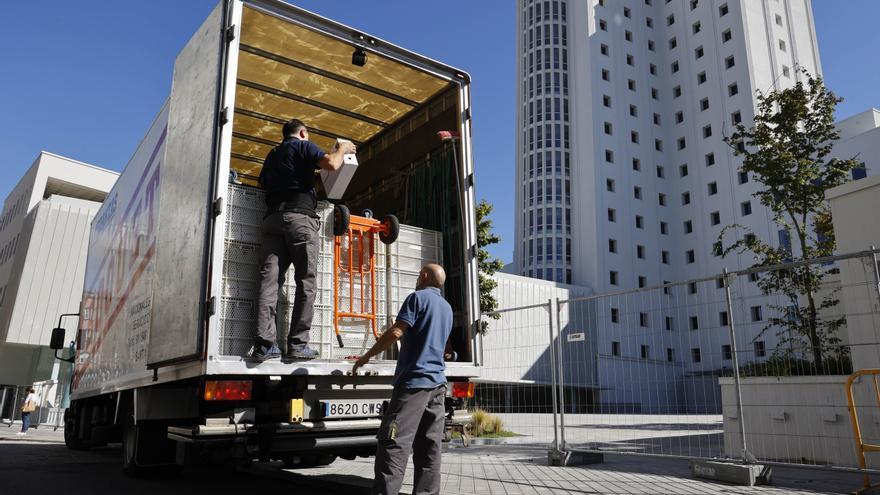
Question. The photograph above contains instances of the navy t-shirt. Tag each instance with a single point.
(288, 175)
(421, 362)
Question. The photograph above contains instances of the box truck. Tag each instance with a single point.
(169, 297)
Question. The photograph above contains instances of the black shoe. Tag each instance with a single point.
(301, 352)
(262, 353)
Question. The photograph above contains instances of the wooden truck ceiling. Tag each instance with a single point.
(288, 71)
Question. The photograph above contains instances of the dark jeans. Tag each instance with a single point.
(288, 238)
(25, 421)
(414, 421)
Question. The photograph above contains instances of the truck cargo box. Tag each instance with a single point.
(170, 279)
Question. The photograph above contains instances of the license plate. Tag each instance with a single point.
(352, 408)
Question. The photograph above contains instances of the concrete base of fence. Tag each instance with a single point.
(570, 458)
(740, 474)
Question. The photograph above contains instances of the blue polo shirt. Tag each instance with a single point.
(421, 362)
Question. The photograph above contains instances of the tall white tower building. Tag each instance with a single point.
(622, 176)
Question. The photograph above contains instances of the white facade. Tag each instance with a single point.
(860, 139)
(44, 231)
(644, 182)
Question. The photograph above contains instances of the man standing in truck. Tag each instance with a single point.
(414, 420)
(290, 236)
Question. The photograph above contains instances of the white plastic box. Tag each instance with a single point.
(335, 183)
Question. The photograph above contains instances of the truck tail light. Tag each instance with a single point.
(463, 390)
(228, 390)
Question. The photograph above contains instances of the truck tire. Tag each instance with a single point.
(131, 451)
(71, 430)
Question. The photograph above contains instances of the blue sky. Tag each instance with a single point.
(84, 79)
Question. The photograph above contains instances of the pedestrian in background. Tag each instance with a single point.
(414, 420)
(27, 407)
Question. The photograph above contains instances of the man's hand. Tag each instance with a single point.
(359, 363)
(347, 148)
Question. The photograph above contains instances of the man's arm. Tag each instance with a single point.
(385, 341)
(333, 161)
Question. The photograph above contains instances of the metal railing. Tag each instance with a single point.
(739, 366)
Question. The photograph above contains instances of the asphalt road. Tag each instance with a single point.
(40, 463)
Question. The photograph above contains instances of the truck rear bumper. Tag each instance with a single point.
(283, 437)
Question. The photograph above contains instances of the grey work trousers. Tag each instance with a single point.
(414, 421)
(288, 238)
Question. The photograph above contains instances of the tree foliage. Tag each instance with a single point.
(487, 264)
(787, 152)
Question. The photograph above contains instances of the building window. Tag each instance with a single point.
(609, 156)
(630, 60)
(726, 36)
(694, 4)
(695, 354)
(637, 192)
(710, 159)
(661, 199)
(664, 228)
(713, 188)
(628, 35)
(670, 354)
(732, 89)
(634, 137)
(745, 208)
(649, 22)
(717, 250)
(612, 245)
(664, 257)
(651, 45)
(640, 251)
(676, 91)
(778, 20)
(612, 277)
(682, 170)
(640, 222)
(685, 198)
(682, 143)
(615, 348)
(715, 218)
(609, 185)
(675, 67)
(785, 71)
(658, 145)
(701, 77)
(782, 45)
(642, 281)
(631, 85)
(672, 43)
(637, 164)
(644, 352)
(667, 321)
(615, 315)
(743, 177)
(654, 93)
(689, 256)
(607, 127)
(626, 12)
(692, 287)
(606, 75)
(643, 319)
(699, 52)
(722, 11)
(722, 318)
(735, 118)
(660, 172)
(633, 111)
(606, 101)
(729, 62)
(688, 226)
(704, 104)
(603, 49)
(670, 19)
(612, 215)
(696, 27)
(707, 131)
(760, 350)
(695, 323)
(603, 25)
(679, 117)
(652, 69)
(726, 353)
(756, 313)
(656, 119)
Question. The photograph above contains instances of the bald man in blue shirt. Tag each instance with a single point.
(414, 420)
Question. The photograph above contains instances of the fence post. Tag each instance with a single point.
(554, 452)
(746, 457)
(876, 271)
(560, 365)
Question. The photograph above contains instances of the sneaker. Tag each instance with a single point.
(300, 352)
(262, 353)
(21, 433)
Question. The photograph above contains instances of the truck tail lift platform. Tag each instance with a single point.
(358, 234)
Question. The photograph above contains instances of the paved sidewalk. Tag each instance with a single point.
(522, 470)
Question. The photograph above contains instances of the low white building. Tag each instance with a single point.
(44, 230)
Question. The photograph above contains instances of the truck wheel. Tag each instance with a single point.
(71, 432)
(131, 450)
(341, 220)
(393, 225)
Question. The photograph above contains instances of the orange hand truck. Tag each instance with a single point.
(360, 235)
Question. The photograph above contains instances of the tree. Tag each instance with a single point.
(787, 152)
(487, 264)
